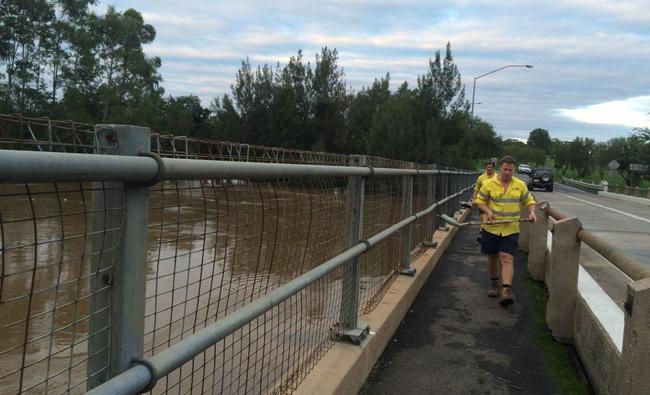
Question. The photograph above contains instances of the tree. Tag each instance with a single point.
(363, 107)
(391, 133)
(25, 34)
(627, 150)
(560, 155)
(184, 115)
(580, 153)
(329, 102)
(123, 68)
(539, 138)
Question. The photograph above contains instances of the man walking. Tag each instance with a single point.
(489, 173)
(500, 198)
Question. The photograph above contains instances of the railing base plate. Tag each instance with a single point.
(356, 335)
(430, 243)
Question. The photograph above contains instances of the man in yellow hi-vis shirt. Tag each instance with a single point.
(501, 198)
(489, 173)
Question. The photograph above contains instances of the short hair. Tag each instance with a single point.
(508, 159)
(489, 163)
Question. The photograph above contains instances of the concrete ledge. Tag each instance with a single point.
(620, 196)
(345, 367)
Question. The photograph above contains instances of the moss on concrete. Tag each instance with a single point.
(560, 360)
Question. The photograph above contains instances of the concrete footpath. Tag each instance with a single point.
(456, 340)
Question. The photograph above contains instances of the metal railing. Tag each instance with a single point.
(585, 186)
(169, 273)
(630, 191)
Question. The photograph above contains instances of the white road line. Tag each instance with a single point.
(607, 208)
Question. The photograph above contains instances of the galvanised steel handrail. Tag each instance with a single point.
(147, 371)
(148, 168)
(592, 188)
(628, 265)
(33, 166)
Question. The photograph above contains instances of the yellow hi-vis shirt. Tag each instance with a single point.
(481, 180)
(505, 204)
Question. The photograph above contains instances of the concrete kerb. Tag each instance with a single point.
(345, 367)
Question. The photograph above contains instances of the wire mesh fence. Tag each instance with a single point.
(47, 284)
(213, 246)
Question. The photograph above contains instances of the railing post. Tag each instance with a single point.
(537, 246)
(562, 279)
(126, 281)
(434, 212)
(634, 371)
(444, 192)
(407, 210)
(350, 327)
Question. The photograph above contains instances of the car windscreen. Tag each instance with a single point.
(542, 171)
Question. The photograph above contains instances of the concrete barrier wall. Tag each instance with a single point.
(598, 354)
(613, 345)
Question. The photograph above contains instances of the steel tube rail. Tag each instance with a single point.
(630, 266)
(141, 376)
(555, 214)
(31, 166)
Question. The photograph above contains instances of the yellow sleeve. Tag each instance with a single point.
(527, 197)
(483, 194)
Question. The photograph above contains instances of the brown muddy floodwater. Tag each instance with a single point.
(212, 248)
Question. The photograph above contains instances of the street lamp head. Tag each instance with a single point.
(529, 66)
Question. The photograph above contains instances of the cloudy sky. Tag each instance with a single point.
(591, 58)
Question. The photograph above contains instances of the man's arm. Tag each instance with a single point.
(485, 209)
(529, 202)
(531, 213)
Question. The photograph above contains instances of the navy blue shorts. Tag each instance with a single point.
(493, 244)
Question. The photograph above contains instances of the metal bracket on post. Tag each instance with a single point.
(117, 313)
(351, 328)
(407, 209)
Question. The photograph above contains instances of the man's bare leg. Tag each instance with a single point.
(507, 271)
(493, 269)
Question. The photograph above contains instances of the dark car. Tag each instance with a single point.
(541, 177)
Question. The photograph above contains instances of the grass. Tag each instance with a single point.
(559, 360)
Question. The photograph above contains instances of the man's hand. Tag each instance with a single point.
(532, 217)
(489, 216)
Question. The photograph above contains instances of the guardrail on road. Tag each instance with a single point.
(585, 186)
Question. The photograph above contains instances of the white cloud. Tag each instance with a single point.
(584, 51)
(632, 112)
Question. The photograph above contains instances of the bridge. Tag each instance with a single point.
(134, 261)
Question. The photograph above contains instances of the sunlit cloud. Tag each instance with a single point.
(632, 112)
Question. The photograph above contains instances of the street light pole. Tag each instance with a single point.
(528, 66)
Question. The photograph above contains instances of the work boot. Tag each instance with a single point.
(506, 298)
(493, 292)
